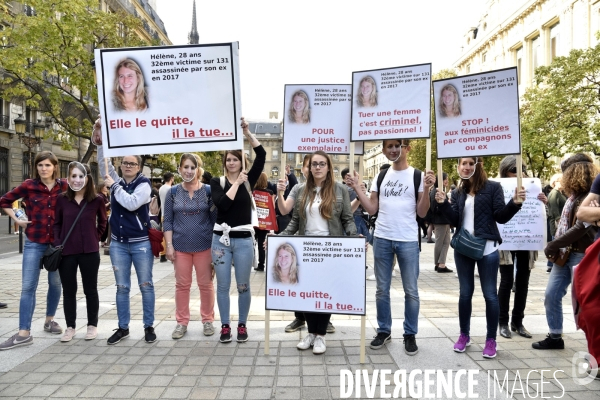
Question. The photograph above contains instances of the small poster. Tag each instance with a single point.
(477, 115)
(392, 103)
(527, 229)
(294, 262)
(169, 99)
(317, 117)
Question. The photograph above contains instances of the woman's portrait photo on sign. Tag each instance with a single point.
(285, 265)
(449, 102)
(299, 112)
(129, 89)
(366, 95)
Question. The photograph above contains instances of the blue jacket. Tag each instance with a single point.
(489, 210)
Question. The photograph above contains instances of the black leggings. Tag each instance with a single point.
(317, 323)
(521, 288)
(88, 263)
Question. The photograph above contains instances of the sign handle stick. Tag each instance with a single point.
(440, 177)
(351, 159)
(282, 173)
(427, 155)
(519, 160)
(106, 160)
(267, 327)
(362, 339)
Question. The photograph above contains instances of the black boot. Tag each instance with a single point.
(505, 332)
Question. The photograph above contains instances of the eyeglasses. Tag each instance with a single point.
(318, 164)
(128, 164)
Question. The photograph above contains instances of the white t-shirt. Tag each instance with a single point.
(469, 223)
(162, 194)
(316, 225)
(397, 206)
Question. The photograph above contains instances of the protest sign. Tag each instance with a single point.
(316, 274)
(477, 115)
(527, 229)
(317, 117)
(169, 99)
(392, 103)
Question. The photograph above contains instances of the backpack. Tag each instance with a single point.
(416, 182)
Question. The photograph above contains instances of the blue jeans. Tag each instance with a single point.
(488, 277)
(558, 282)
(241, 251)
(121, 257)
(361, 227)
(30, 276)
(408, 261)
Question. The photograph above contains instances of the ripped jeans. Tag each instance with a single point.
(241, 252)
(121, 257)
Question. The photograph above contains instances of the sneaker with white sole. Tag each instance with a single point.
(319, 346)
(179, 331)
(307, 342)
(16, 341)
(371, 277)
(461, 344)
(68, 336)
(53, 327)
(92, 332)
(208, 329)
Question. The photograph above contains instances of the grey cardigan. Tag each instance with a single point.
(341, 222)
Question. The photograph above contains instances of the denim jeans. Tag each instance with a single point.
(241, 251)
(121, 257)
(30, 276)
(361, 227)
(408, 262)
(558, 282)
(488, 276)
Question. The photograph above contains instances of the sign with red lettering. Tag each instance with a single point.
(317, 117)
(316, 274)
(477, 115)
(392, 103)
(169, 99)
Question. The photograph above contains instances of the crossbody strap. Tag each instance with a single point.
(73, 226)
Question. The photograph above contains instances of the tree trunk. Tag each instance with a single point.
(88, 153)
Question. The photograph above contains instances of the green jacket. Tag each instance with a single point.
(341, 222)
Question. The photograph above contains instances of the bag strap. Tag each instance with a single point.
(73, 226)
(417, 183)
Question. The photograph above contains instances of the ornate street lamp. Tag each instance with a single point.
(20, 124)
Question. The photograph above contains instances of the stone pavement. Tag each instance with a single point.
(199, 367)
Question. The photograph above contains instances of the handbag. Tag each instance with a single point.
(52, 256)
(562, 258)
(468, 245)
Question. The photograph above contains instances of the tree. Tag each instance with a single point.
(47, 57)
(212, 163)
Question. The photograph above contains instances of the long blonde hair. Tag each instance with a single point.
(327, 192)
(141, 102)
(293, 267)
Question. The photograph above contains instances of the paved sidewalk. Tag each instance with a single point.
(199, 367)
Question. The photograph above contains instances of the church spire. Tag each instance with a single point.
(193, 37)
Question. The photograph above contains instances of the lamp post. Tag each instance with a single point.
(29, 140)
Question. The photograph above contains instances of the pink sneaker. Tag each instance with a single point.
(490, 348)
(461, 344)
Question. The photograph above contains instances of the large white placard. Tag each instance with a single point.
(169, 99)
(392, 103)
(477, 115)
(527, 229)
(326, 274)
(317, 117)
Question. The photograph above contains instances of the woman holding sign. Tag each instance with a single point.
(129, 89)
(477, 205)
(233, 233)
(323, 209)
(449, 102)
(299, 112)
(367, 92)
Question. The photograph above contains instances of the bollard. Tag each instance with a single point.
(20, 240)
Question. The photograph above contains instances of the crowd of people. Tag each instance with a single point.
(210, 225)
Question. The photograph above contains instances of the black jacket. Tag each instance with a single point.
(437, 216)
(489, 210)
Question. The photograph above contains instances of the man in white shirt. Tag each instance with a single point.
(168, 179)
(396, 234)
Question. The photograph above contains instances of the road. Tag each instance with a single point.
(9, 244)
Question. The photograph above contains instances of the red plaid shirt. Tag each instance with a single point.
(40, 204)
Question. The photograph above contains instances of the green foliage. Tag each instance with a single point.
(212, 161)
(47, 60)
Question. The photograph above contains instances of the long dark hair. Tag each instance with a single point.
(477, 181)
(89, 191)
(327, 190)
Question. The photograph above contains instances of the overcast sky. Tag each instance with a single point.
(322, 41)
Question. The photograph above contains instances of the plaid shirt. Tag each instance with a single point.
(40, 204)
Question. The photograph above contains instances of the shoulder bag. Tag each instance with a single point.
(468, 245)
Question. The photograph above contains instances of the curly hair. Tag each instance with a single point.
(578, 178)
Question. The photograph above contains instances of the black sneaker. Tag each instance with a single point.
(381, 339)
(443, 270)
(330, 328)
(242, 335)
(118, 336)
(163, 258)
(295, 325)
(225, 334)
(410, 345)
(149, 335)
(549, 344)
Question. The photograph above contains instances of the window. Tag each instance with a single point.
(63, 168)
(519, 62)
(291, 156)
(3, 171)
(336, 157)
(554, 42)
(27, 167)
(535, 54)
(275, 155)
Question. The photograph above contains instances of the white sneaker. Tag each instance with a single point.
(68, 335)
(92, 332)
(179, 331)
(307, 342)
(319, 345)
(371, 277)
(209, 329)
(393, 273)
(476, 273)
